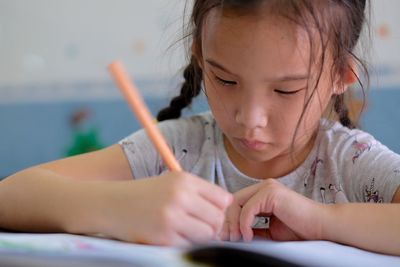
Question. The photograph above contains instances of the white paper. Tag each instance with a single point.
(66, 247)
(74, 250)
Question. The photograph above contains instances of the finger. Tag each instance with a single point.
(196, 230)
(249, 211)
(168, 232)
(205, 211)
(234, 232)
(224, 233)
(214, 193)
(232, 219)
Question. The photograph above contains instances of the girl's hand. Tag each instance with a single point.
(292, 216)
(176, 208)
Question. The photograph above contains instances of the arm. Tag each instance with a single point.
(372, 227)
(40, 198)
(95, 193)
(106, 164)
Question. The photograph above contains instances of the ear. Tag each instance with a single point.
(350, 76)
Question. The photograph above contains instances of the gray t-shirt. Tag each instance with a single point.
(343, 166)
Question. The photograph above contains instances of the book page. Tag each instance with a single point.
(20, 249)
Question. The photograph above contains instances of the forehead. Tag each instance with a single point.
(256, 42)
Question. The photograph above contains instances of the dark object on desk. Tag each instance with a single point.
(228, 256)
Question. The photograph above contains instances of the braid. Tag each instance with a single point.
(191, 87)
(342, 111)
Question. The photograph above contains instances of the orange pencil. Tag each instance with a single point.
(137, 104)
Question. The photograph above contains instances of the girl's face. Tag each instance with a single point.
(256, 75)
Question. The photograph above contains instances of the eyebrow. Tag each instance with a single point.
(284, 78)
(219, 66)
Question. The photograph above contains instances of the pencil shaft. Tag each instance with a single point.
(138, 106)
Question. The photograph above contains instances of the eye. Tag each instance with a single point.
(225, 82)
(284, 92)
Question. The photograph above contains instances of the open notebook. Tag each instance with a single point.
(20, 249)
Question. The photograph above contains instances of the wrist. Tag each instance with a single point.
(327, 221)
(84, 210)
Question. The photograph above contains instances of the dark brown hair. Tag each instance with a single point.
(338, 24)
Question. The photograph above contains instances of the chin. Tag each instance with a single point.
(259, 156)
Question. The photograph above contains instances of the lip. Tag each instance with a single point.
(252, 144)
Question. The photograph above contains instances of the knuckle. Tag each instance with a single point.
(181, 197)
(174, 193)
(178, 198)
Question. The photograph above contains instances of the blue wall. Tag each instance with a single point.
(35, 133)
(382, 117)
(40, 132)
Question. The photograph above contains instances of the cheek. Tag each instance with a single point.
(312, 115)
(219, 99)
(222, 106)
(284, 124)
(288, 112)
(316, 108)
(286, 117)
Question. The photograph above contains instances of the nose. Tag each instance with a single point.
(252, 114)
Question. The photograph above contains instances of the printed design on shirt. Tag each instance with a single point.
(182, 155)
(313, 170)
(129, 145)
(206, 123)
(339, 195)
(322, 191)
(371, 195)
(360, 148)
(336, 191)
(161, 165)
(396, 171)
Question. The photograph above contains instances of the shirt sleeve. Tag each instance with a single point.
(373, 169)
(184, 136)
(141, 154)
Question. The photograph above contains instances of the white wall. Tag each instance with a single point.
(386, 42)
(45, 42)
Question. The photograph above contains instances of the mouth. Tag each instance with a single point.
(252, 144)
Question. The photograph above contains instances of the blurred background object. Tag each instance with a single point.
(54, 55)
(85, 136)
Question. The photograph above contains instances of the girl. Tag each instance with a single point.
(270, 70)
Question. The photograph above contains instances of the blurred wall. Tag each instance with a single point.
(54, 55)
